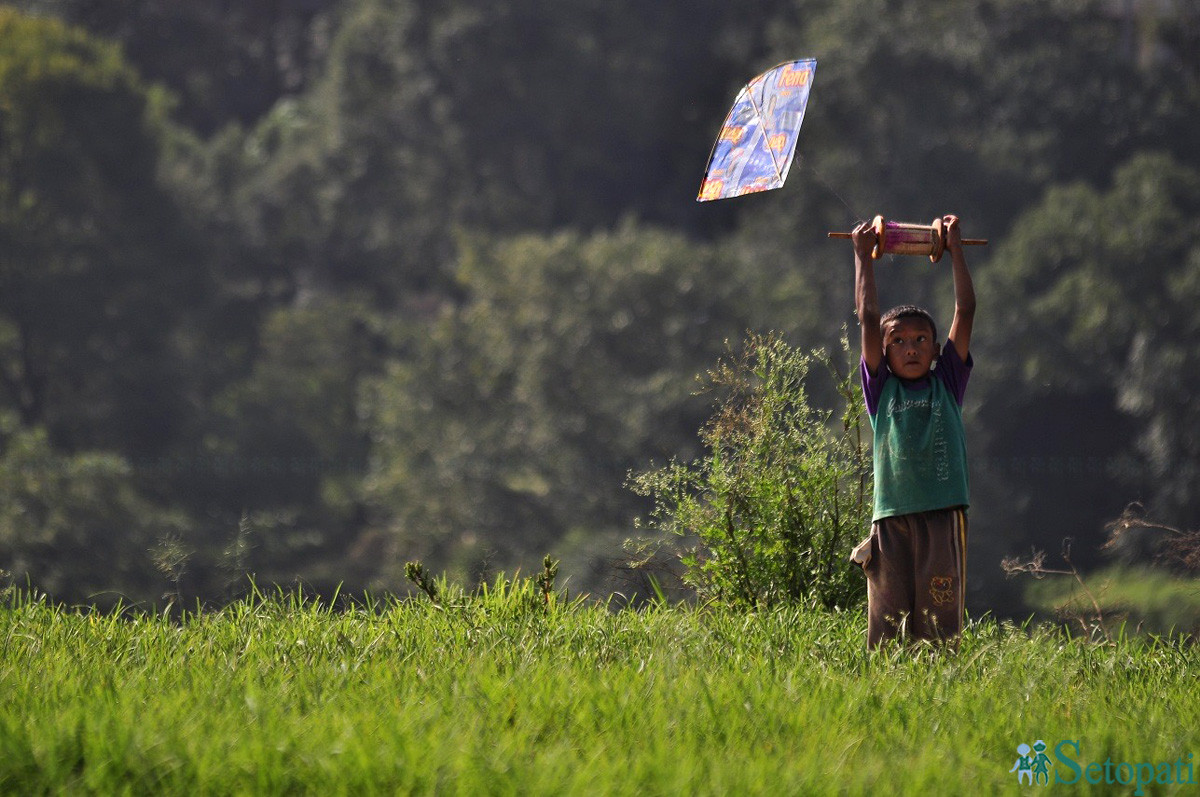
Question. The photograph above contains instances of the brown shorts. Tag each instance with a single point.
(916, 568)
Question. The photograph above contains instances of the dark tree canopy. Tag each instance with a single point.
(302, 289)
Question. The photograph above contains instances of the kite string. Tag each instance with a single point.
(855, 216)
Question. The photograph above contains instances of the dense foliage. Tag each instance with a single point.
(307, 289)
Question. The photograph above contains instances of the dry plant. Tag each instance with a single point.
(1179, 548)
(1036, 566)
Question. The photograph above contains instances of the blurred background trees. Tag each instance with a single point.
(307, 289)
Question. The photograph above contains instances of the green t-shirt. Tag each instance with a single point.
(920, 449)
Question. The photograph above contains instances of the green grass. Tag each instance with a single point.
(495, 696)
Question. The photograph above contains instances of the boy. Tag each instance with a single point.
(915, 558)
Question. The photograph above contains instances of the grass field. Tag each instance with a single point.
(495, 695)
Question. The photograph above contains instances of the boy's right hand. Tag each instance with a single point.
(864, 239)
(866, 299)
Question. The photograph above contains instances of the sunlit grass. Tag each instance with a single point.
(502, 695)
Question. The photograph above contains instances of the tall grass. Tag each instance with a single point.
(497, 695)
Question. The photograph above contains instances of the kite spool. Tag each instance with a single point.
(901, 238)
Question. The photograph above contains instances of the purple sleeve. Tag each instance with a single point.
(953, 372)
(872, 384)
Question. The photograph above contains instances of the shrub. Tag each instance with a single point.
(770, 513)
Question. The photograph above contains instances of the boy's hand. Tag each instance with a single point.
(953, 233)
(864, 239)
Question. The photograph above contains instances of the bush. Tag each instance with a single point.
(770, 514)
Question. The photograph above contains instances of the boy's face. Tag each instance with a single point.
(909, 347)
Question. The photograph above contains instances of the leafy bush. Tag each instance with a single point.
(770, 514)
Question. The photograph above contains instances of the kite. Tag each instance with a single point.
(754, 149)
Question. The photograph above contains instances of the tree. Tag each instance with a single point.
(75, 526)
(95, 265)
(518, 117)
(224, 62)
(512, 420)
(1091, 358)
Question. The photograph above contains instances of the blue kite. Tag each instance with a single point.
(755, 147)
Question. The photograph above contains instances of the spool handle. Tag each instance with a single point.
(965, 241)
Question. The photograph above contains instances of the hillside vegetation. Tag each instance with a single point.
(306, 290)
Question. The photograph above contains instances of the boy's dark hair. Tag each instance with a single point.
(907, 311)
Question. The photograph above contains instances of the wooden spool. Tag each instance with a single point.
(900, 238)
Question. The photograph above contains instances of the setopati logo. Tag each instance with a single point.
(1033, 763)
(1035, 767)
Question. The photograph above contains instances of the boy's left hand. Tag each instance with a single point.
(953, 233)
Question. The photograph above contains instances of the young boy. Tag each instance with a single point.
(915, 558)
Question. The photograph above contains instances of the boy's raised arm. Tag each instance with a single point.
(964, 291)
(866, 298)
